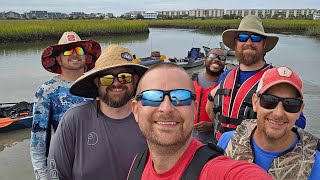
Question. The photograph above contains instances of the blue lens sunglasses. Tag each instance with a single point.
(254, 37)
(154, 97)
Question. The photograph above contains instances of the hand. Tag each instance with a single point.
(204, 126)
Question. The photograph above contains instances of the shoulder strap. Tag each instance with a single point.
(201, 157)
(318, 145)
(194, 77)
(138, 165)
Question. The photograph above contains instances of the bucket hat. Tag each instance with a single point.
(69, 40)
(251, 24)
(114, 56)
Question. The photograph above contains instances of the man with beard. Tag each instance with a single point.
(204, 82)
(232, 97)
(164, 109)
(271, 140)
(99, 139)
(70, 58)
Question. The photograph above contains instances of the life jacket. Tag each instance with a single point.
(232, 102)
(202, 98)
(295, 163)
(193, 170)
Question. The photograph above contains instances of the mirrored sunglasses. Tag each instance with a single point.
(254, 37)
(291, 105)
(154, 97)
(214, 56)
(78, 50)
(123, 78)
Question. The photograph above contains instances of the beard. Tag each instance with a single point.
(163, 138)
(116, 101)
(212, 73)
(249, 58)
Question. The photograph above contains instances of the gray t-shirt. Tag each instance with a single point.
(89, 145)
(203, 81)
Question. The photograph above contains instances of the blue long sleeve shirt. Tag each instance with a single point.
(52, 100)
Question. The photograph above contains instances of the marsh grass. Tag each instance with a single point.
(33, 30)
(29, 30)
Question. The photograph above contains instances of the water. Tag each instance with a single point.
(22, 74)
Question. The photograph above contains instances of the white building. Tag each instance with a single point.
(282, 13)
(150, 15)
(316, 15)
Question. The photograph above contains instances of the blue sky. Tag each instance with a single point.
(119, 7)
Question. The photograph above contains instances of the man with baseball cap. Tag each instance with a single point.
(230, 102)
(272, 141)
(98, 139)
(70, 58)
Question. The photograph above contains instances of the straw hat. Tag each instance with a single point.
(113, 57)
(252, 24)
(69, 40)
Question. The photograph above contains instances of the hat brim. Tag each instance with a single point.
(92, 52)
(84, 86)
(229, 38)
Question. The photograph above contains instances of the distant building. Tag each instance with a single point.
(3, 15)
(133, 14)
(108, 15)
(78, 15)
(207, 13)
(150, 15)
(12, 15)
(174, 13)
(37, 15)
(316, 15)
(57, 15)
(268, 13)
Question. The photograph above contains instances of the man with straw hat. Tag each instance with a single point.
(70, 58)
(98, 139)
(232, 98)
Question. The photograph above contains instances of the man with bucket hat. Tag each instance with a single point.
(231, 100)
(70, 58)
(271, 140)
(98, 139)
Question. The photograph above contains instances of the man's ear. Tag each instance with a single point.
(58, 58)
(254, 102)
(134, 109)
(96, 82)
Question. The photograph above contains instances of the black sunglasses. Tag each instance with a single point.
(291, 105)
(214, 56)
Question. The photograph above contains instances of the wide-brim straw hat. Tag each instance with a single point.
(252, 24)
(112, 57)
(67, 41)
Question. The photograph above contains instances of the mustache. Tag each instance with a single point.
(249, 46)
(119, 86)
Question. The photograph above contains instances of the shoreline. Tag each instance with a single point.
(38, 30)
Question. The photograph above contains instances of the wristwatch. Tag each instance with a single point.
(210, 98)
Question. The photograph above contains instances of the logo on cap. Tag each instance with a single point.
(284, 72)
(126, 56)
(71, 38)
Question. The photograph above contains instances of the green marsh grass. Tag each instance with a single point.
(30, 30)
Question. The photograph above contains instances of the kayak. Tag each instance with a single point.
(14, 116)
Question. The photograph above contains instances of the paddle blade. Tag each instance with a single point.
(163, 57)
(4, 122)
(137, 61)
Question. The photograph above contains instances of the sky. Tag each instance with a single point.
(118, 7)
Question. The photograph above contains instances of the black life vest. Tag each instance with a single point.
(193, 170)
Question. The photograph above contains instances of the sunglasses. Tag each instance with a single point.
(291, 105)
(123, 78)
(154, 97)
(254, 37)
(214, 56)
(78, 50)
